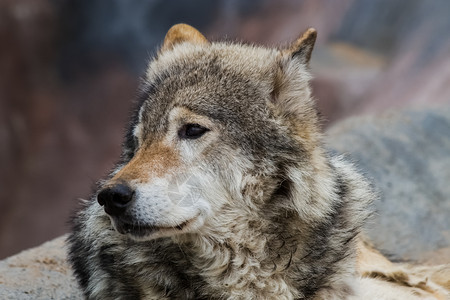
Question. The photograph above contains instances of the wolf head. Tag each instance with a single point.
(221, 131)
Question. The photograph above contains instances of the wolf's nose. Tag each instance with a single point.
(115, 199)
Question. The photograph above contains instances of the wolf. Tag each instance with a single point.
(224, 189)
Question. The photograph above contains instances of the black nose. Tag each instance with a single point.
(115, 198)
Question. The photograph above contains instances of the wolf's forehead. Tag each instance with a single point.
(241, 59)
(213, 67)
(218, 81)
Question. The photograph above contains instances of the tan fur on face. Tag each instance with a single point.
(153, 160)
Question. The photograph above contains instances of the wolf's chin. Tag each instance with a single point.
(145, 232)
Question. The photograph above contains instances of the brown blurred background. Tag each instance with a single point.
(69, 71)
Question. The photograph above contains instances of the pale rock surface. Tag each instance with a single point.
(38, 273)
(406, 154)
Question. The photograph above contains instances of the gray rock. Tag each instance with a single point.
(38, 273)
(407, 154)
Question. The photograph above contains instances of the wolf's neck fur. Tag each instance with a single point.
(279, 254)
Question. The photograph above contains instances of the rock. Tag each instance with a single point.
(407, 154)
(38, 273)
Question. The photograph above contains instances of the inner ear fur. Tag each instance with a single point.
(302, 47)
(181, 33)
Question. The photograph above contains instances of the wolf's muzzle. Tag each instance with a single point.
(115, 198)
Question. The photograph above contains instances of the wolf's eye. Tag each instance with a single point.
(191, 131)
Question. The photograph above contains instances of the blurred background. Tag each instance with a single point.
(69, 71)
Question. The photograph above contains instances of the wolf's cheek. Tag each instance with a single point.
(168, 202)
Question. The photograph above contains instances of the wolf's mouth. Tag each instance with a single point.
(144, 230)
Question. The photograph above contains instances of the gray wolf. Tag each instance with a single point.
(225, 191)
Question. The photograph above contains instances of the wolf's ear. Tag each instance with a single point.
(180, 33)
(291, 92)
(302, 48)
